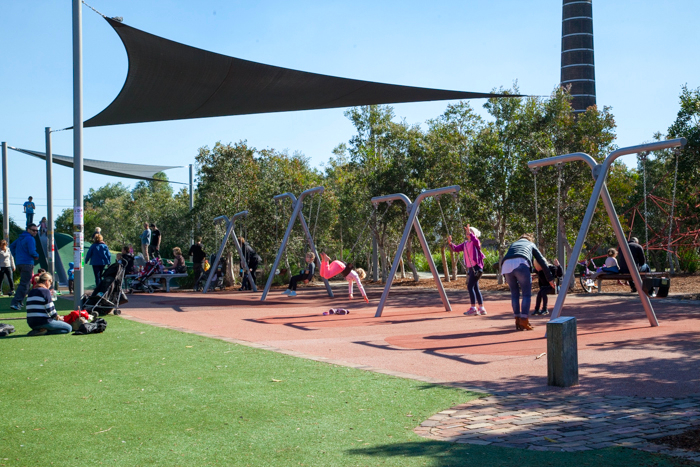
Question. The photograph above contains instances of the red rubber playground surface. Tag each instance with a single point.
(619, 353)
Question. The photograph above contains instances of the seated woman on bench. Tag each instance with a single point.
(179, 266)
(610, 267)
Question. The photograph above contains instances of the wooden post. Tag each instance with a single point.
(562, 352)
(445, 267)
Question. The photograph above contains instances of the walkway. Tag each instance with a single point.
(627, 368)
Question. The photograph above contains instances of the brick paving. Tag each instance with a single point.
(546, 422)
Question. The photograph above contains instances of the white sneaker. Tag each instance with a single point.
(482, 311)
(292, 293)
(471, 312)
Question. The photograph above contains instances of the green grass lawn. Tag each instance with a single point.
(139, 395)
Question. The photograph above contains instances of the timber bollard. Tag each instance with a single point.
(562, 352)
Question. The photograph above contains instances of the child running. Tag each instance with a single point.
(306, 275)
(330, 269)
(545, 287)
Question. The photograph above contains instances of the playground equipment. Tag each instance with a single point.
(413, 222)
(600, 190)
(297, 205)
(230, 232)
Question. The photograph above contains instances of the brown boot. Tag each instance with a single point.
(525, 323)
(518, 326)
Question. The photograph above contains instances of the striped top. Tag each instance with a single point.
(40, 308)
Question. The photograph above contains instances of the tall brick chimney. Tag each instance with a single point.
(577, 65)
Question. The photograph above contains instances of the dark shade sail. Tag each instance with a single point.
(172, 81)
(115, 169)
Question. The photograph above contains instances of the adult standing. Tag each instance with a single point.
(154, 248)
(198, 256)
(41, 313)
(98, 256)
(24, 251)
(29, 208)
(517, 267)
(98, 231)
(639, 258)
(252, 259)
(7, 265)
(145, 241)
(474, 263)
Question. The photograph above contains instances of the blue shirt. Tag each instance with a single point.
(29, 207)
(146, 237)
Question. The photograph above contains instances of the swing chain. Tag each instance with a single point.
(537, 221)
(677, 152)
(643, 157)
(559, 181)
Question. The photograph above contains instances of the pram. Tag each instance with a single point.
(142, 283)
(108, 295)
(219, 274)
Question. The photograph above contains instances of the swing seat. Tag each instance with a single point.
(654, 284)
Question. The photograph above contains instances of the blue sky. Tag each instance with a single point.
(645, 52)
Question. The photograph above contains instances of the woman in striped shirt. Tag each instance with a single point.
(41, 314)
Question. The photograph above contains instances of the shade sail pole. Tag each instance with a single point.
(78, 227)
(49, 206)
(5, 199)
(191, 200)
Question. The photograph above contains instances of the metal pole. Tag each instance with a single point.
(624, 246)
(375, 259)
(78, 227)
(191, 200)
(229, 229)
(431, 264)
(395, 263)
(49, 206)
(5, 198)
(310, 239)
(295, 213)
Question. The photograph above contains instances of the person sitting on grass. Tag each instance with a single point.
(329, 270)
(41, 313)
(305, 275)
(545, 287)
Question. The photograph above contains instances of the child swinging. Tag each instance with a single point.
(330, 269)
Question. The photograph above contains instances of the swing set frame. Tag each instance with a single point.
(297, 205)
(413, 223)
(230, 232)
(600, 190)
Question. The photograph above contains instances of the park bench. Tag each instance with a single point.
(654, 284)
(156, 278)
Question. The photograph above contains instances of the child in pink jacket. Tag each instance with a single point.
(474, 262)
(330, 269)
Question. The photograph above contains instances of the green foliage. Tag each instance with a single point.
(689, 260)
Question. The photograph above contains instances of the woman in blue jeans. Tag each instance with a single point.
(517, 267)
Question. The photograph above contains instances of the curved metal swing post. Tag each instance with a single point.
(600, 190)
(230, 230)
(296, 213)
(413, 222)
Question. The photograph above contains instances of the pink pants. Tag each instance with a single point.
(354, 277)
(335, 268)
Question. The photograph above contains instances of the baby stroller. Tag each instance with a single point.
(108, 295)
(217, 279)
(142, 282)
